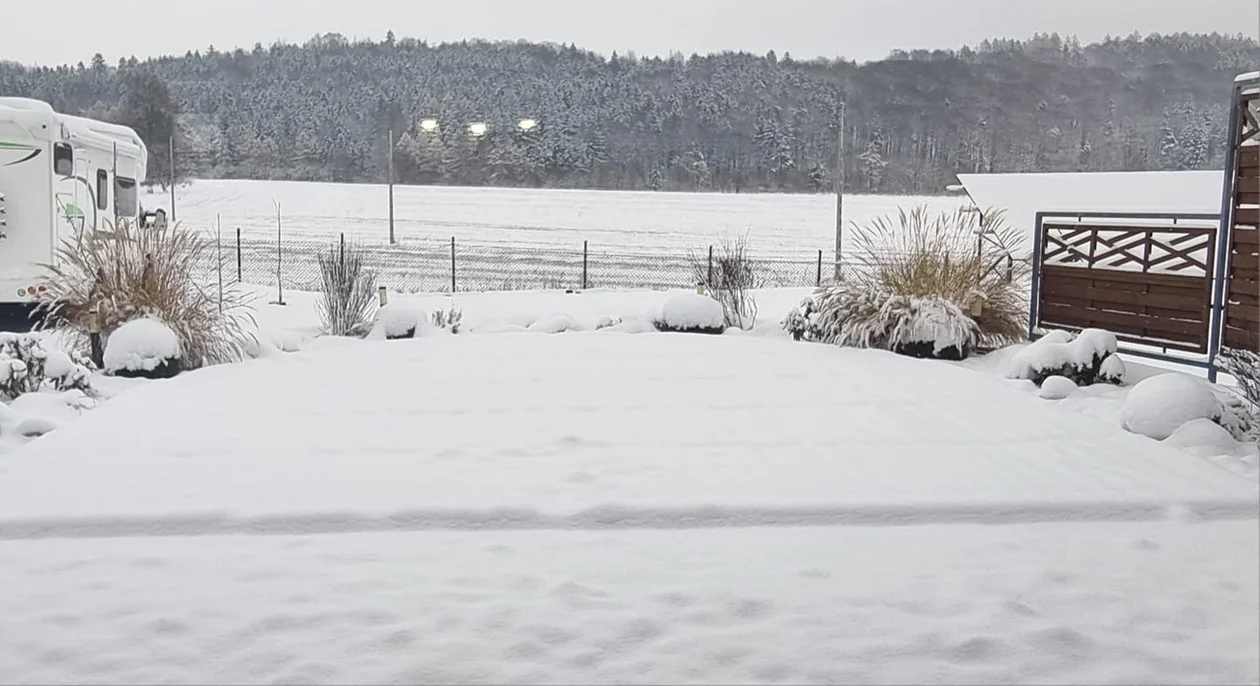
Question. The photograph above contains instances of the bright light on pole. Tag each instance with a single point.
(527, 124)
(429, 125)
(478, 129)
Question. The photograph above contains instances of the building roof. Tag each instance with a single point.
(1022, 196)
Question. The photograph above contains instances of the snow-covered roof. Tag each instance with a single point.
(1022, 196)
(1249, 76)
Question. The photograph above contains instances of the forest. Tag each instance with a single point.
(328, 109)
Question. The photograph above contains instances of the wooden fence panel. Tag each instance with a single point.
(1147, 285)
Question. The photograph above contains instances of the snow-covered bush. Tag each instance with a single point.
(607, 322)
(729, 274)
(691, 313)
(1086, 358)
(347, 291)
(1156, 407)
(1056, 388)
(397, 320)
(965, 258)
(26, 366)
(451, 319)
(143, 348)
(125, 273)
(556, 323)
(853, 314)
(799, 321)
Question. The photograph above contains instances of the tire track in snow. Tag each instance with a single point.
(617, 518)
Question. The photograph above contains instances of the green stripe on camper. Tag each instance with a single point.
(6, 145)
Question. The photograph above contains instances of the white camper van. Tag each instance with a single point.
(61, 177)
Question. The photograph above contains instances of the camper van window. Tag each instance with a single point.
(126, 201)
(63, 160)
(102, 189)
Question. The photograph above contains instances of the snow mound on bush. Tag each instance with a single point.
(397, 320)
(556, 323)
(1085, 358)
(692, 312)
(1157, 407)
(141, 345)
(1057, 388)
(1205, 438)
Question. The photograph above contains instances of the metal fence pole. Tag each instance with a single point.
(710, 281)
(238, 255)
(818, 278)
(341, 253)
(584, 263)
(452, 264)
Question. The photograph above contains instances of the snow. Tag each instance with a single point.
(531, 430)
(556, 323)
(1059, 349)
(1022, 196)
(1152, 602)
(779, 225)
(1056, 388)
(140, 345)
(397, 320)
(1158, 406)
(598, 507)
(688, 311)
(935, 321)
(1249, 76)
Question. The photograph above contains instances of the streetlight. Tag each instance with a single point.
(478, 129)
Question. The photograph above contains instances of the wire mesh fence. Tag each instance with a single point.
(447, 266)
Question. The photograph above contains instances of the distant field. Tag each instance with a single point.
(514, 238)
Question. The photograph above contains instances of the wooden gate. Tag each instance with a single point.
(1148, 283)
(1240, 316)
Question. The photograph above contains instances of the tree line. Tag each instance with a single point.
(326, 110)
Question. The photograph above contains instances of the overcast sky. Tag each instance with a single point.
(856, 29)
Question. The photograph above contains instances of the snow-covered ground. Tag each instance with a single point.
(779, 225)
(508, 505)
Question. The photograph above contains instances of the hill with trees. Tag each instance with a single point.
(324, 110)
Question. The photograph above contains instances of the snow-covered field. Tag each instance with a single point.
(507, 505)
(519, 238)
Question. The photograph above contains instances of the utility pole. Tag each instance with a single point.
(390, 155)
(171, 142)
(839, 183)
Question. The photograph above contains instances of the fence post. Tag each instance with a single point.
(341, 253)
(238, 254)
(818, 278)
(584, 258)
(710, 281)
(452, 264)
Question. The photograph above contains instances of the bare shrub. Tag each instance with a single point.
(1244, 366)
(954, 256)
(452, 319)
(126, 272)
(729, 279)
(347, 291)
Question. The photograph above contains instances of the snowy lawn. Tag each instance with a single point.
(508, 505)
(600, 426)
(1154, 603)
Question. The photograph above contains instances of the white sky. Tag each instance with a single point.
(856, 29)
